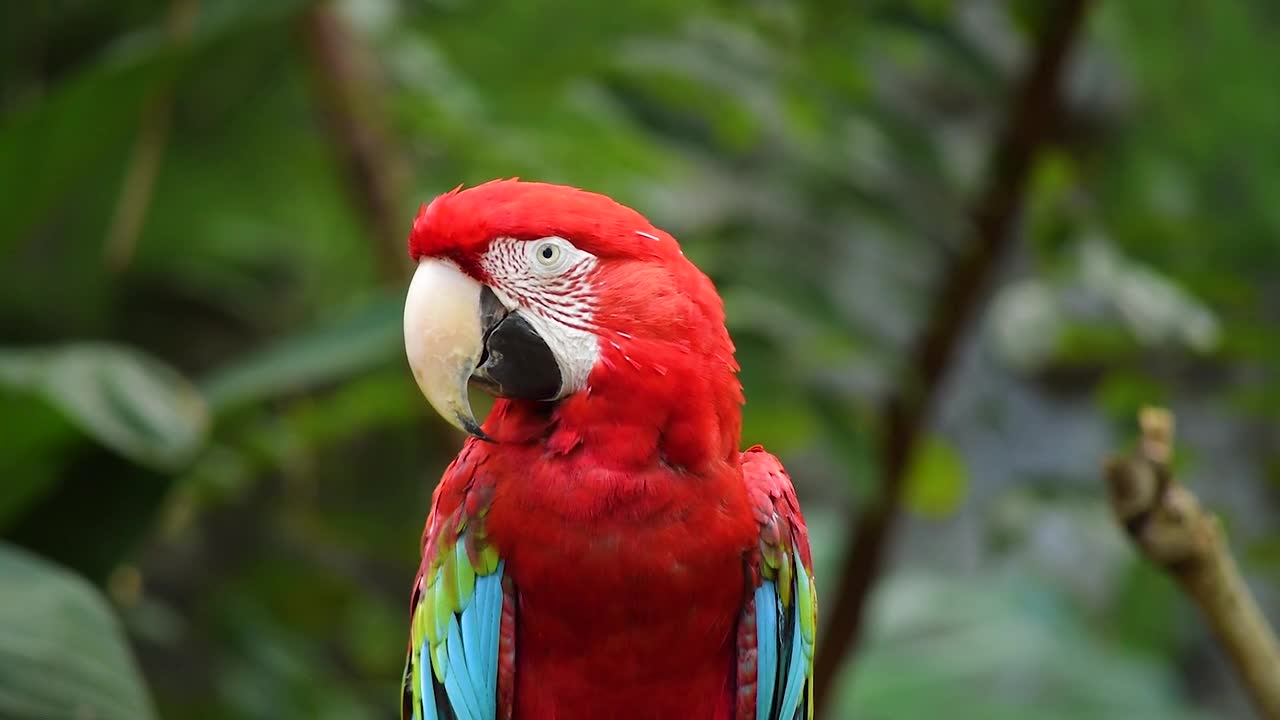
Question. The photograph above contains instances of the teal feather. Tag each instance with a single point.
(797, 668)
(458, 673)
(766, 599)
(472, 649)
(461, 694)
(425, 681)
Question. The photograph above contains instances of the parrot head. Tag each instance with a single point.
(545, 293)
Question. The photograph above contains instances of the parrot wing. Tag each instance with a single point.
(779, 618)
(461, 640)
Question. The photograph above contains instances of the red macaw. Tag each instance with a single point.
(599, 548)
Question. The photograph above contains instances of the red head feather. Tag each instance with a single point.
(462, 222)
(667, 368)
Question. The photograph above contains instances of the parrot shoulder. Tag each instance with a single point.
(779, 620)
(461, 628)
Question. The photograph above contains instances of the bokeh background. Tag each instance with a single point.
(214, 466)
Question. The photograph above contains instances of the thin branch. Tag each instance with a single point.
(965, 280)
(148, 150)
(345, 80)
(1166, 522)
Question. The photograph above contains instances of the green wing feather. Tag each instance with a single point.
(456, 613)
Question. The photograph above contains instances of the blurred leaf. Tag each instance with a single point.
(937, 480)
(1104, 307)
(62, 654)
(1000, 646)
(128, 401)
(47, 147)
(841, 426)
(1123, 393)
(815, 159)
(357, 340)
(29, 450)
(52, 144)
(1145, 612)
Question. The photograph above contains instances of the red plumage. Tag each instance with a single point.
(630, 524)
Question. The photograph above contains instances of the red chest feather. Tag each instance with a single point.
(630, 586)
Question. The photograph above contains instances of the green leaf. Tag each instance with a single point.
(30, 450)
(124, 399)
(358, 340)
(1144, 613)
(998, 645)
(937, 479)
(48, 147)
(52, 145)
(62, 653)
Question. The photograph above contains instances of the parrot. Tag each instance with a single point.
(600, 547)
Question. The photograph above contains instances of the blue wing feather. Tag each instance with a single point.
(427, 680)
(489, 593)
(785, 631)
(456, 681)
(470, 687)
(766, 647)
(783, 652)
(471, 648)
(796, 667)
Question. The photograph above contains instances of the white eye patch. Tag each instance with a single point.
(548, 280)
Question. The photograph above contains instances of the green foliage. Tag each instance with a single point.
(999, 647)
(352, 343)
(128, 401)
(62, 654)
(936, 480)
(228, 416)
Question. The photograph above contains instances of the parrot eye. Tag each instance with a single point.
(549, 255)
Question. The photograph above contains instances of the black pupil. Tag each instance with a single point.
(547, 251)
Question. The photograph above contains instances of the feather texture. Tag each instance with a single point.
(452, 666)
(611, 553)
(785, 601)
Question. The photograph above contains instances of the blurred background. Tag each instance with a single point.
(960, 244)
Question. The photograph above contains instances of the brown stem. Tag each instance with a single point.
(344, 79)
(148, 150)
(963, 289)
(1167, 523)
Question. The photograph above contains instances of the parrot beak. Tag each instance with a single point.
(456, 330)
